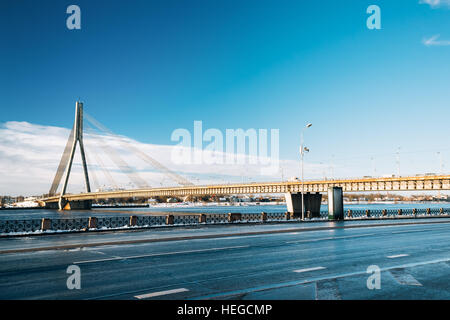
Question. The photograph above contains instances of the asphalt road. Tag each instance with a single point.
(276, 261)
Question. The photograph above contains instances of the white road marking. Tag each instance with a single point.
(312, 280)
(188, 251)
(309, 269)
(404, 278)
(159, 254)
(435, 228)
(258, 236)
(99, 252)
(411, 231)
(332, 238)
(160, 293)
(240, 237)
(398, 256)
(327, 290)
(310, 240)
(98, 260)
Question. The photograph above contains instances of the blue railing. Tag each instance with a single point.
(8, 227)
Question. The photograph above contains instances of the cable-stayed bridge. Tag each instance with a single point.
(64, 200)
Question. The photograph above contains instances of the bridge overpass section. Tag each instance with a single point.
(294, 191)
(413, 183)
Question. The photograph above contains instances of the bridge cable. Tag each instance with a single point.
(121, 164)
(103, 168)
(101, 164)
(92, 171)
(157, 165)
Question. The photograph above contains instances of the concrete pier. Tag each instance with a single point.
(69, 205)
(312, 204)
(335, 203)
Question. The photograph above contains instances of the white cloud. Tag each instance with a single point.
(433, 41)
(436, 3)
(30, 153)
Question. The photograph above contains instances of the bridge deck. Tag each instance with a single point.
(415, 183)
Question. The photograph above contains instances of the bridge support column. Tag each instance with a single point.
(65, 165)
(74, 205)
(335, 203)
(263, 216)
(312, 204)
(51, 205)
(133, 221)
(46, 224)
(170, 219)
(92, 224)
(232, 217)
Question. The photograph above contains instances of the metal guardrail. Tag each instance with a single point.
(148, 221)
(69, 224)
(395, 213)
(8, 227)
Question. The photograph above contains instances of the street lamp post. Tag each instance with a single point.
(398, 161)
(441, 164)
(303, 149)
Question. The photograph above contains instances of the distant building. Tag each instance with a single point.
(7, 200)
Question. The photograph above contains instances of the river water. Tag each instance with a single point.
(108, 212)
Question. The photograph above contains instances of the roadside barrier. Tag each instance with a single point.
(47, 225)
(92, 223)
(232, 217)
(169, 219)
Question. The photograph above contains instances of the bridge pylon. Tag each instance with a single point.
(65, 165)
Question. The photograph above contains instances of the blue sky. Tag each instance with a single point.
(146, 68)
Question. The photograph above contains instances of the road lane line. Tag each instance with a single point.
(160, 293)
(98, 260)
(309, 269)
(327, 290)
(310, 240)
(188, 251)
(435, 229)
(222, 295)
(99, 252)
(332, 238)
(240, 292)
(411, 231)
(160, 254)
(398, 256)
(404, 278)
